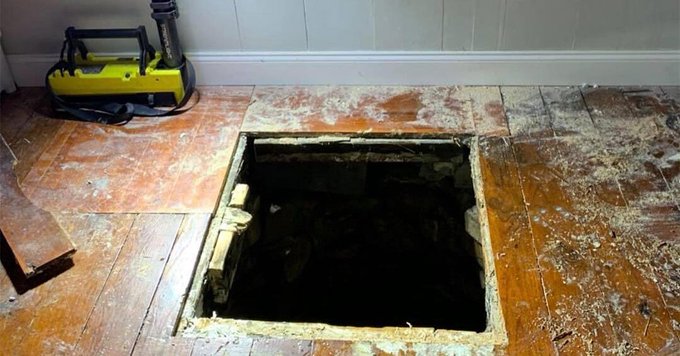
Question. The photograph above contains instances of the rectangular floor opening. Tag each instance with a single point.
(355, 233)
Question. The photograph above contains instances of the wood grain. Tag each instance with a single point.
(611, 115)
(654, 104)
(564, 246)
(223, 346)
(527, 117)
(488, 114)
(265, 346)
(522, 295)
(332, 348)
(166, 305)
(17, 109)
(116, 320)
(603, 266)
(100, 238)
(567, 111)
(33, 235)
(367, 110)
(165, 346)
(629, 286)
(151, 165)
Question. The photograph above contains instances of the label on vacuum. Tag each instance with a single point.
(94, 69)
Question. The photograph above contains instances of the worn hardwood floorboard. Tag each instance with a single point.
(264, 346)
(610, 113)
(222, 346)
(34, 236)
(488, 114)
(140, 167)
(567, 111)
(332, 348)
(527, 319)
(527, 117)
(563, 245)
(655, 198)
(17, 109)
(652, 104)
(374, 110)
(602, 275)
(99, 238)
(16, 304)
(116, 320)
(629, 287)
(656, 104)
(163, 346)
(174, 283)
(205, 170)
(31, 141)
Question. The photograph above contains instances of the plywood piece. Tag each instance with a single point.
(171, 164)
(567, 111)
(117, 318)
(166, 305)
(33, 235)
(522, 298)
(366, 110)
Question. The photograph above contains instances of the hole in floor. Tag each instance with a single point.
(364, 233)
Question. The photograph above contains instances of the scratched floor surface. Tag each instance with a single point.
(582, 190)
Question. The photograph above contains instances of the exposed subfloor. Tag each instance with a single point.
(582, 190)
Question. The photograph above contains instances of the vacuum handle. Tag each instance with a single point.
(74, 37)
(165, 13)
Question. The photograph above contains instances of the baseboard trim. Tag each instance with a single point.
(412, 68)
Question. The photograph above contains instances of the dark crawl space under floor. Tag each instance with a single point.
(360, 244)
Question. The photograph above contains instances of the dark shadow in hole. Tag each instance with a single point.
(21, 283)
(360, 244)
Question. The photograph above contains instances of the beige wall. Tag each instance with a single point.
(36, 26)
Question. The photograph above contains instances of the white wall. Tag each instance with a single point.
(219, 26)
(506, 42)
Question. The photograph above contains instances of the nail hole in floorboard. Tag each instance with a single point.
(366, 235)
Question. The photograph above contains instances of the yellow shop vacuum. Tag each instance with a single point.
(112, 90)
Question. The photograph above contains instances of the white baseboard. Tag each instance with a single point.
(412, 68)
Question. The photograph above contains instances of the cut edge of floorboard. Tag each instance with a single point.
(26, 238)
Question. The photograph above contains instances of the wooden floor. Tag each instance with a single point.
(582, 191)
